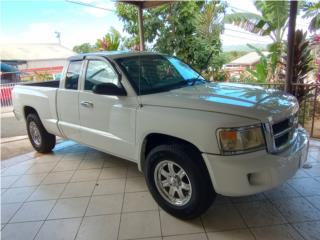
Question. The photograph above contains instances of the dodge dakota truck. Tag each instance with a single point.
(191, 138)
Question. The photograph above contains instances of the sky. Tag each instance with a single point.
(37, 21)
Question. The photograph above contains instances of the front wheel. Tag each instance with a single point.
(41, 140)
(178, 180)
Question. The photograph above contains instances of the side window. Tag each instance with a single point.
(99, 72)
(73, 74)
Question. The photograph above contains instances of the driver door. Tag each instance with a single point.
(107, 122)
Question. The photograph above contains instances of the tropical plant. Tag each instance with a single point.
(84, 48)
(312, 10)
(188, 29)
(110, 41)
(302, 65)
(273, 22)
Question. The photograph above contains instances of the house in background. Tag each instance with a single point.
(237, 66)
(37, 58)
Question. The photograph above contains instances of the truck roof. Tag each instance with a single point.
(112, 54)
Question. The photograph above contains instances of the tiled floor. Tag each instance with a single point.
(80, 193)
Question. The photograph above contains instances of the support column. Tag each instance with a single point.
(291, 37)
(141, 29)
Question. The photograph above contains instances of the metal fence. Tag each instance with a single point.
(307, 94)
(6, 94)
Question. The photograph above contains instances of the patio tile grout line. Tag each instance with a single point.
(84, 214)
(124, 192)
(55, 200)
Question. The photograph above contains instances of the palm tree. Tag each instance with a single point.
(272, 21)
(312, 10)
(110, 41)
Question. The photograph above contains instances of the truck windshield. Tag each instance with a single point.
(158, 73)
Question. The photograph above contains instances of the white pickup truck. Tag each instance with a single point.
(191, 138)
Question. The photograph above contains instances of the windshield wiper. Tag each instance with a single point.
(193, 81)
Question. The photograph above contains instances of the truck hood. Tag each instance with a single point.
(229, 98)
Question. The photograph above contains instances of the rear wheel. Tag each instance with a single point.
(178, 180)
(41, 140)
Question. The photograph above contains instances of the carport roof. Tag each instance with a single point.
(146, 4)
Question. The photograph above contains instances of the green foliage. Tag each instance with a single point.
(312, 10)
(110, 41)
(84, 48)
(302, 64)
(260, 73)
(188, 29)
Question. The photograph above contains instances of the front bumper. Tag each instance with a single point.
(251, 173)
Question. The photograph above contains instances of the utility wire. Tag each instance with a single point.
(90, 5)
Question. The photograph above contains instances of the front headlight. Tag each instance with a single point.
(239, 140)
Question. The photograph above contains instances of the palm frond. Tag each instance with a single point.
(248, 21)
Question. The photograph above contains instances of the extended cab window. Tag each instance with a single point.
(99, 72)
(73, 74)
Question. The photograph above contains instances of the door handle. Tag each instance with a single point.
(86, 104)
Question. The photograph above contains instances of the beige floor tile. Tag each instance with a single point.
(6, 182)
(17, 169)
(196, 236)
(41, 168)
(86, 175)
(110, 173)
(33, 211)
(134, 172)
(301, 173)
(280, 232)
(14, 195)
(91, 163)
(8, 210)
(222, 217)
(78, 189)
(174, 226)
(136, 184)
(99, 227)
(69, 208)
(111, 161)
(152, 238)
(47, 192)
(314, 171)
(140, 225)
(231, 235)
(19, 231)
(260, 213)
(49, 158)
(58, 177)
(297, 210)
(222, 199)
(139, 201)
(66, 166)
(309, 230)
(30, 180)
(306, 186)
(283, 191)
(74, 156)
(105, 204)
(315, 201)
(110, 186)
(251, 198)
(63, 229)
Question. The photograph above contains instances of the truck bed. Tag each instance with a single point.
(52, 84)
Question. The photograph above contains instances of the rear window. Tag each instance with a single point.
(73, 73)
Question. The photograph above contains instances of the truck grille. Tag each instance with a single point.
(282, 133)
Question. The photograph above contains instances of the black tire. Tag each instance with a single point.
(47, 140)
(192, 163)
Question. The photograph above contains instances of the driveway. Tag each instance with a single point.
(80, 193)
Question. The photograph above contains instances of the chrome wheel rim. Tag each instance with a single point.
(173, 183)
(35, 133)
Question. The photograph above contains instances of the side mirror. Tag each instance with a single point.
(109, 89)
